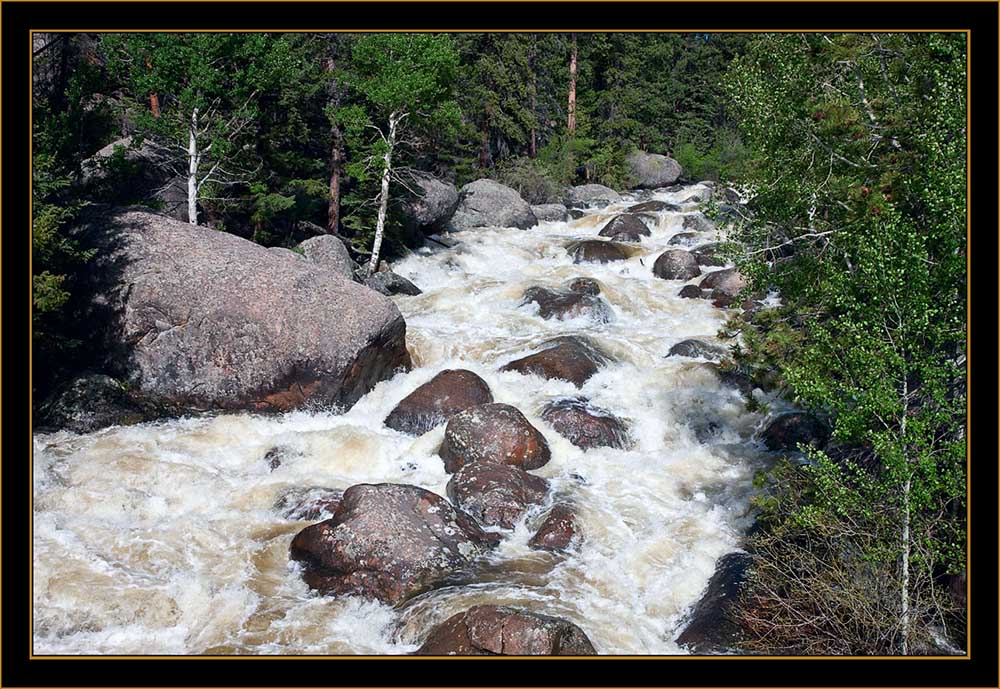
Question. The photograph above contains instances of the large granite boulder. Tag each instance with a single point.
(329, 251)
(586, 425)
(651, 170)
(496, 630)
(676, 264)
(552, 212)
(496, 433)
(388, 542)
(591, 196)
(485, 203)
(727, 282)
(437, 400)
(574, 358)
(200, 319)
(596, 251)
(496, 494)
(711, 626)
(433, 204)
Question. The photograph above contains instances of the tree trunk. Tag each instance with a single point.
(394, 119)
(571, 107)
(533, 143)
(336, 165)
(154, 100)
(193, 168)
(904, 612)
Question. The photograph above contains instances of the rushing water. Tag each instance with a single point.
(164, 538)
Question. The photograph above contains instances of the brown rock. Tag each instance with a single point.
(676, 264)
(562, 304)
(596, 251)
(496, 630)
(691, 292)
(437, 400)
(727, 282)
(388, 542)
(557, 531)
(571, 357)
(653, 207)
(625, 227)
(496, 494)
(584, 285)
(585, 425)
(496, 433)
(309, 504)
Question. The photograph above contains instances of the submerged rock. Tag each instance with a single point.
(496, 494)
(574, 358)
(388, 542)
(584, 285)
(596, 251)
(437, 400)
(698, 349)
(586, 425)
(711, 627)
(557, 531)
(309, 504)
(564, 304)
(496, 433)
(496, 630)
(653, 207)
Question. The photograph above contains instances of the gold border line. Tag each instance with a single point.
(968, 115)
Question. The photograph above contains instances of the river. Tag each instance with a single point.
(164, 538)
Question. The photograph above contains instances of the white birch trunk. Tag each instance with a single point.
(904, 613)
(193, 169)
(384, 194)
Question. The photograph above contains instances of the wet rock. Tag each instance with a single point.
(698, 349)
(709, 254)
(625, 227)
(575, 213)
(596, 251)
(486, 203)
(698, 223)
(388, 542)
(553, 212)
(584, 285)
(786, 431)
(651, 170)
(389, 283)
(330, 253)
(278, 455)
(711, 627)
(90, 402)
(692, 292)
(496, 433)
(437, 400)
(201, 319)
(676, 264)
(586, 425)
(653, 207)
(591, 195)
(564, 304)
(727, 282)
(496, 630)
(496, 494)
(574, 358)
(557, 530)
(700, 197)
(309, 504)
(734, 378)
(685, 239)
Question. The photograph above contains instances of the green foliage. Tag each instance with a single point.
(859, 174)
(723, 161)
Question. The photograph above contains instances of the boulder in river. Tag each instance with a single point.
(676, 264)
(710, 627)
(92, 401)
(557, 531)
(500, 630)
(584, 285)
(562, 304)
(388, 542)
(486, 203)
(389, 283)
(586, 425)
(698, 349)
(709, 254)
(330, 253)
(596, 251)
(692, 292)
(591, 196)
(652, 170)
(685, 239)
(309, 504)
(200, 319)
(726, 282)
(696, 222)
(496, 494)
(434, 202)
(625, 227)
(653, 207)
(552, 212)
(574, 358)
(786, 431)
(437, 400)
(496, 433)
